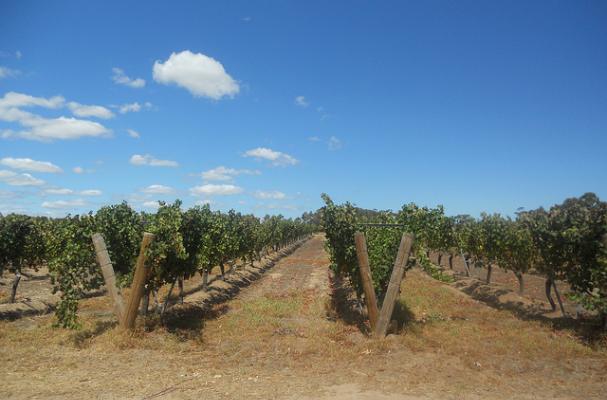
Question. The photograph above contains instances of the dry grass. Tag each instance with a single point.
(456, 324)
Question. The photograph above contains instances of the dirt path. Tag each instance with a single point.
(276, 341)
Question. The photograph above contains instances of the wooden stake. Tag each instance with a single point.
(367, 280)
(103, 258)
(137, 288)
(404, 250)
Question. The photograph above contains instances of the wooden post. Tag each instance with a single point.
(406, 243)
(137, 288)
(367, 280)
(103, 258)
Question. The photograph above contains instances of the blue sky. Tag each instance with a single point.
(262, 106)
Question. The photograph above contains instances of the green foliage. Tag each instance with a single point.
(196, 226)
(340, 224)
(184, 243)
(570, 240)
(564, 242)
(166, 255)
(518, 252)
(122, 230)
(21, 242)
(71, 262)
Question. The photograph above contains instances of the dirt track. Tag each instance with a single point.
(275, 341)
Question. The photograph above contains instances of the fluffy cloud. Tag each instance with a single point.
(276, 157)
(59, 204)
(147, 159)
(120, 78)
(201, 75)
(222, 173)
(301, 101)
(274, 195)
(78, 170)
(27, 164)
(91, 192)
(42, 128)
(15, 179)
(211, 190)
(17, 100)
(81, 110)
(8, 72)
(45, 130)
(133, 133)
(158, 189)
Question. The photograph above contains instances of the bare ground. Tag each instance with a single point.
(278, 339)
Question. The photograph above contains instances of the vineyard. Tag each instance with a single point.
(235, 305)
(185, 243)
(567, 242)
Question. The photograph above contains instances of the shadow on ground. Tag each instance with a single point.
(586, 327)
(346, 307)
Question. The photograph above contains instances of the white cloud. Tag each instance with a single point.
(45, 130)
(131, 107)
(222, 173)
(133, 133)
(16, 100)
(42, 128)
(78, 170)
(158, 189)
(91, 192)
(18, 54)
(203, 202)
(211, 190)
(27, 164)
(147, 159)
(334, 143)
(6, 72)
(120, 78)
(64, 204)
(274, 195)
(81, 110)
(301, 101)
(276, 157)
(15, 179)
(153, 204)
(201, 75)
(314, 139)
(59, 191)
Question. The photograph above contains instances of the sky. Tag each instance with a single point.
(262, 106)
